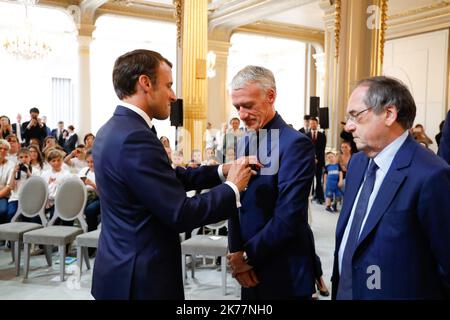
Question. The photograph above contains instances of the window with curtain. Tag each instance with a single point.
(62, 101)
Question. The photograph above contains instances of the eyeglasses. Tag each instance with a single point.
(353, 117)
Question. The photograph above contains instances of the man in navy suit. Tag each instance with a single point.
(269, 241)
(319, 141)
(393, 232)
(143, 200)
(444, 145)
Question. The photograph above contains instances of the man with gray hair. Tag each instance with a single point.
(394, 228)
(6, 169)
(270, 248)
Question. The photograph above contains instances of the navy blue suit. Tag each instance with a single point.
(272, 226)
(444, 145)
(144, 208)
(407, 232)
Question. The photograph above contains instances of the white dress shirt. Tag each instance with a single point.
(383, 160)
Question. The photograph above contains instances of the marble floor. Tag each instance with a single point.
(43, 281)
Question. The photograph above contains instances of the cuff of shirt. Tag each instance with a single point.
(220, 173)
(236, 192)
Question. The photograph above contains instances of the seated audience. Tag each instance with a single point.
(6, 169)
(36, 161)
(89, 141)
(76, 160)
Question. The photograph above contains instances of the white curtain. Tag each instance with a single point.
(62, 102)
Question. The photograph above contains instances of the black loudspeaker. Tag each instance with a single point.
(314, 105)
(176, 113)
(323, 118)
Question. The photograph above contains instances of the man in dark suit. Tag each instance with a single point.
(34, 128)
(306, 128)
(319, 141)
(59, 133)
(143, 200)
(17, 130)
(394, 229)
(444, 143)
(269, 241)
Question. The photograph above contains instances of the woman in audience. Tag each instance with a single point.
(177, 159)
(89, 141)
(22, 171)
(420, 135)
(76, 160)
(6, 168)
(92, 210)
(36, 161)
(54, 177)
(5, 127)
(71, 140)
(344, 156)
(14, 147)
(165, 141)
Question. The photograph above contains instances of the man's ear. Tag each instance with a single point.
(391, 115)
(271, 95)
(144, 83)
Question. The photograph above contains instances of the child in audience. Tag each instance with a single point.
(332, 179)
(76, 160)
(22, 171)
(36, 162)
(54, 177)
(92, 210)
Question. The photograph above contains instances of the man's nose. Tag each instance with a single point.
(349, 126)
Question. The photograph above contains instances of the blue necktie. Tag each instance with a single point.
(345, 280)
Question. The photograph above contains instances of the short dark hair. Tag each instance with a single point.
(60, 122)
(307, 117)
(71, 127)
(34, 110)
(235, 118)
(130, 66)
(313, 119)
(87, 136)
(384, 91)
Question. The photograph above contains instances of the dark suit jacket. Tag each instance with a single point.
(59, 139)
(407, 232)
(35, 132)
(319, 147)
(272, 226)
(69, 144)
(144, 208)
(444, 145)
(302, 130)
(14, 127)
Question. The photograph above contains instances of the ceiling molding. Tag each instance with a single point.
(283, 30)
(154, 11)
(419, 20)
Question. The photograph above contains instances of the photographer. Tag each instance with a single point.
(34, 128)
(22, 171)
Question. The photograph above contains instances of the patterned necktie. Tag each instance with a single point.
(345, 280)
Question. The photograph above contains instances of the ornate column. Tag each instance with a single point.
(83, 114)
(194, 44)
(354, 43)
(218, 95)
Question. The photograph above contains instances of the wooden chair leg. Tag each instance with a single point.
(62, 261)
(223, 262)
(17, 245)
(79, 261)
(12, 249)
(86, 257)
(48, 254)
(26, 251)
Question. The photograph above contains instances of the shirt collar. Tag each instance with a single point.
(386, 156)
(139, 112)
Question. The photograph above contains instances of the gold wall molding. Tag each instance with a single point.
(337, 27)
(178, 13)
(421, 10)
(379, 39)
(284, 30)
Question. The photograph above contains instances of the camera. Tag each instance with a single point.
(22, 167)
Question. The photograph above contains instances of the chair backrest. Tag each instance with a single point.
(216, 226)
(32, 199)
(70, 201)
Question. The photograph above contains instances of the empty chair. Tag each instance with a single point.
(70, 201)
(32, 199)
(208, 245)
(83, 242)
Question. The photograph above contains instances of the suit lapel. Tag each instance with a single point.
(390, 186)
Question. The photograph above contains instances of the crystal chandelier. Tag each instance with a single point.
(25, 44)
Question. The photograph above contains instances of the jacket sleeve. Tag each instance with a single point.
(295, 174)
(444, 145)
(204, 177)
(153, 183)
